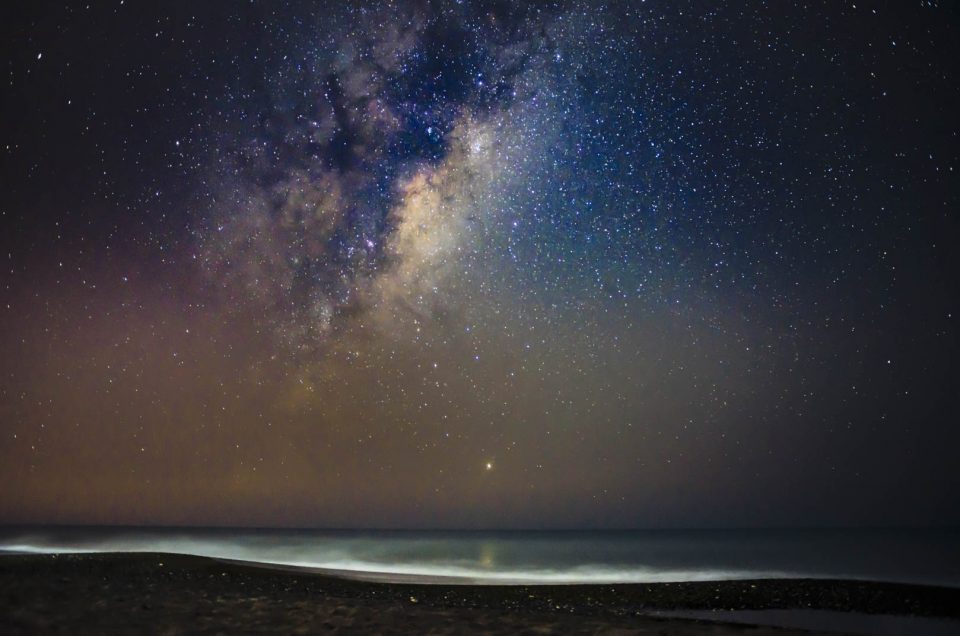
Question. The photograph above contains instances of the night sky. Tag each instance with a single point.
(479, 264)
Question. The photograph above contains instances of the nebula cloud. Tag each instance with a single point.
(360, 202)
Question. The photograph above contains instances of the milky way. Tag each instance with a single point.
(363, 198)
(479, 264)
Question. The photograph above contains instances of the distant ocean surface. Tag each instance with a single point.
(907, 556)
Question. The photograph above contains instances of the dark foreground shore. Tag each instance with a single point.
(172, 594)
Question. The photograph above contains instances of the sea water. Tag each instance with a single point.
(541, 557)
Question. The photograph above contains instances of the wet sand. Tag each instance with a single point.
(173, 594)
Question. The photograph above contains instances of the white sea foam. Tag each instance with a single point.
(519, 558)
(335, 560)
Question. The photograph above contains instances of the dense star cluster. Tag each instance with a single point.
(478, 263)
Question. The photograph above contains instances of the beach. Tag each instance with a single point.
(173, 594)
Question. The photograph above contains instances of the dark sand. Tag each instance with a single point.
(172, 594)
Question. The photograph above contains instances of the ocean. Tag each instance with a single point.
(540, 557)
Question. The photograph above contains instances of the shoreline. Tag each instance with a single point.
(172, 593)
